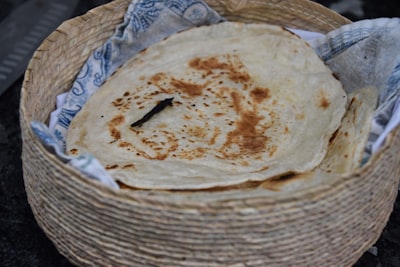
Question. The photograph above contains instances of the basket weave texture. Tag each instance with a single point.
(92, 225)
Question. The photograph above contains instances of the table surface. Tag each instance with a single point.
(23, 243)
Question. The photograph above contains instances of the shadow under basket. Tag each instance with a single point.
(326, 225)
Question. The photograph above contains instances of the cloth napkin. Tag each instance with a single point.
(360, 54)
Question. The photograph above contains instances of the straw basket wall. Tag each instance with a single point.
(327, 225)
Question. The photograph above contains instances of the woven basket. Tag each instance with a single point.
(92, 225)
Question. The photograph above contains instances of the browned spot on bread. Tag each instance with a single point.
(117, 120)
(113, 126)
(122, 103)
(217, 132)
(157, 77)
(111, 167)
(197, 131)
(272, 150)
(115, 133)
(162, 150)
(259, 94)
(207, 64)
(239, 77)
(191, 154)
(235, 69)
(246, 136)
(286, 130)
(129, 166)
(154, 93)
(252, 140)
(125, 144)
(187, 117)
(323, 101)
(117, 102)
(236, 98)
(191, 89)
(333, 137)
(73, 151)
(149, 142)
(160, 81)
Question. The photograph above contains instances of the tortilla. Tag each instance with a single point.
(230, 103)
(345, 150)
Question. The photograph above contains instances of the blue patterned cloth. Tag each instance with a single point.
(362, 53)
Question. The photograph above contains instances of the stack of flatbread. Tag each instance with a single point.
(221, 106)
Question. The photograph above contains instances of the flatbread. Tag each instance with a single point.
(346, 148)
(250, 101)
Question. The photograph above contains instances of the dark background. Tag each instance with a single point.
(22, 242)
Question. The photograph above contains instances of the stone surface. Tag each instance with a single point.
(22, 242)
